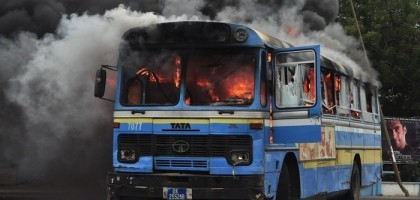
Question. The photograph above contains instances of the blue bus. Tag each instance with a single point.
(211, 110)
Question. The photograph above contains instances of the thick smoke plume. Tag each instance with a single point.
(58, 132)
(52, 129)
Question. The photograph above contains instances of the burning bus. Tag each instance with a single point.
(209, 110)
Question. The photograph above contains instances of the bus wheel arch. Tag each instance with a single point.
(355, 179)
(289, 180)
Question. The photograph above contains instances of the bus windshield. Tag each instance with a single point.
(212, 77)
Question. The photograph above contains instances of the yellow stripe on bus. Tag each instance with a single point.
(235, 121)
(346, 157)
(133, 120)
(191, 121)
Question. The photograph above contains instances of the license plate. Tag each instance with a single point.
(177, 193)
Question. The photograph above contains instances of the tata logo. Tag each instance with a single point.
(182, 126)
(180, 146)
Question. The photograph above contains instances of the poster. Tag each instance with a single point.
(404, 134)
(323, 150)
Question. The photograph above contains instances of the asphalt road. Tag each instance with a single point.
(49, 193)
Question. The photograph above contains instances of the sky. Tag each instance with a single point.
(52, 129)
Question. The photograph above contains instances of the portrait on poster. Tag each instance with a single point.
(404, 135)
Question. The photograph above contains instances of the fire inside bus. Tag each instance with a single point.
(209, 110)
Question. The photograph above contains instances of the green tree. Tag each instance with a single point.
(391, 33)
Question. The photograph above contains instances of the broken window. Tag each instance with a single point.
(327, 92)
(295, 81)
(354, 100)
(369, 97)
(342, 95)
(295, 85)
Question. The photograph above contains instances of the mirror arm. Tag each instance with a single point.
(107, 99)
(113, 68)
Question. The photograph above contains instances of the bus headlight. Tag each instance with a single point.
(239, 157)
(127, 155)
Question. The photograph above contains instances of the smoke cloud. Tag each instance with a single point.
(55, 131)
(52, 128)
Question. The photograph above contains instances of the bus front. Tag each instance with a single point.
(191, 114)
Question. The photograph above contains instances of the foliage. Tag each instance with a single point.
(391, 33)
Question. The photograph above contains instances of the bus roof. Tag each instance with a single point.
(211, 34)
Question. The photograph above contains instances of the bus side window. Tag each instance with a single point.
(309, 85)
(369, 96)
(355, 99)
(342, 91)
(327, 92)
(375, 104)
(366, 100)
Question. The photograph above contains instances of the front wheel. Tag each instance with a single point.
(354, 193)
(286, 189)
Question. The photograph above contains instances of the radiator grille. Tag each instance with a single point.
(171, 163)
(199, 146)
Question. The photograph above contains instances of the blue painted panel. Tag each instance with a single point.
(344, 177)
(274, 161)
(357, 139)
(371, 173)
(343, 138)
(295, 134)
(270, 184)
(372, 190)
(369, 140)
(328, 178)
(309, 182)
(144, 165)
(378, 140)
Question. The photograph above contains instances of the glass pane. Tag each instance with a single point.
(295, 79)
(327, 92)
(295, 85)
(151, 77)
(219, 78)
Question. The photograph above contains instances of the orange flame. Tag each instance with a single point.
(238, 85)
(308, 83)
(337, 83)
(177, 74)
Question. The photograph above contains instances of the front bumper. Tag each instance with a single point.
(143, 186)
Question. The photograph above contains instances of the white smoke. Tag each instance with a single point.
(335, 44)
(67, 132)
(51, 78)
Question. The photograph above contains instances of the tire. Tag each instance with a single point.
(287, 188)
(354, 193)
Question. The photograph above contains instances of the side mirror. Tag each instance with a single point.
(100, 82)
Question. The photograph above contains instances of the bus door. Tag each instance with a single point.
(296, 102)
